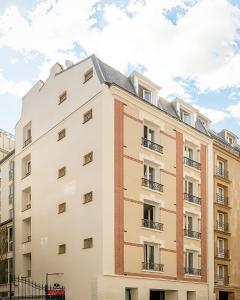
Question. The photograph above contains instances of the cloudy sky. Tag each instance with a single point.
(191, 48)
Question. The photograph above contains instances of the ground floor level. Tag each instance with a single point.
(227, 293)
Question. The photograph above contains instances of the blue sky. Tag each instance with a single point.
(191, 48)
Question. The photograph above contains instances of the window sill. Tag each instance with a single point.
(151, 229)
(152, 151)
(192, 168)
(193, 203)
(152, 271)
(192, 238)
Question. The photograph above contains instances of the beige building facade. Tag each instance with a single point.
(226, 164)
(6, 143)
(113, 187)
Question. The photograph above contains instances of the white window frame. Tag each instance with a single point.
(150, 133)
(156, 253)
(149, 93)
(147, 173)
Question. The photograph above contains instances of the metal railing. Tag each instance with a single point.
(152, 185)
(27, 141)
(192, 163)
(191, 198)
(223, 280)
(151, 224)
(192, 234)
(152, 266)
(192, 271)
(151, 145)
(222, 253)
(222, 226)
(221, 199)
(222, 172)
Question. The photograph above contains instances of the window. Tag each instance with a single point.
(88, 75)
(148, 212)
(131, 294)
(188, 152)
(149, 173)
(87, 116)
(221, 247)
(230, 140)
(189, 260)
(88, 197)
(62, 97)
(62, 207)
(62, 249)
(152, 257)
(148, 134)
(147, 95)
(62, 172)
(220, 220)
(88, 158)
(221, 166)
(27, 134)
(221, 272)
(87, 243)
(188, 187)
(61, 134)
(26, 166)
(185, 117)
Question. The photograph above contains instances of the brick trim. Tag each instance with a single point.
(168, 250)
(168, 135)
(203, 155)
(150, 275)
(167, 172)
(133, 159)
(133, 201)
(133, 118)
(133, 244)
(179, 203)
(118, 178)
(168, 210)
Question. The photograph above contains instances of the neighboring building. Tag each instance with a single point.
(6, 221)
(226, 164)
(6, 143)
(113, 188)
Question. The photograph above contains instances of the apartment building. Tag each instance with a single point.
(6, 222)
(6, 143)
(113, 188)
(226, 164)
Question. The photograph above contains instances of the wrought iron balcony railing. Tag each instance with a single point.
(222, 173)
(151, 224)
(192, 271)
(151, 145)
(152, 185)
(152, 266)
(222, 226)
(191, 198)
(222, 280)
(221, 199)
(27, 141)
(222, 253)
(192, 234)
(192, 163)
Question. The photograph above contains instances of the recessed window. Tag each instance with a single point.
(62, 207)
(147, 95)
(62, 172)
(87, 116)
(88, 75)
(61, 134)
(88, 158)
(185, 117)
(62, 249)
(62, 97)
(87, 243)
(88, 197)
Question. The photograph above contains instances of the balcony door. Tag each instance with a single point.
(220, 220)
(188, 152)
(148, 134)
(221, 272)
(149, 173)
(149, 256)
(148, 212)
(221, 247)
(189, 260)
(221, 167)
(189, 187)
(189, 223)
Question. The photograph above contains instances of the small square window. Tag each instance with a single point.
(88, 75)
(88, 158)
(61, 134)
(62, 207)
(62, 249)
(62, 97)
(88, 197)
(61, 172)
(87, 116)
(87, 243)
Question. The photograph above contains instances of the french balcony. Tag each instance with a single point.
(192, 163)
(151, 145)
(222, 280)
(192, 271)
(152, 225)
(222, 173)
(222, 253)
(192, 199)
(221, 199)
(192, 234)
(222, 226)
(27, 141)
(10, 198)
(151, 266)
(152, 185)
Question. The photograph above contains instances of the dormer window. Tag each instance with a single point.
(230, 140)
(145, 93)
(185, 116)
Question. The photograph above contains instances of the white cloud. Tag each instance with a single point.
(200, 48)
(216, 116)
(13, 88)
(234, 110)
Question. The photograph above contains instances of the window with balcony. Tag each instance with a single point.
(148, 140)
(149, 180)
(190, 192)
(222, 275)
(191, 263)
(222, 251)
(26, 199)
(221, 196)
(191, 225)
(26, 230)
(221, 223)
(26, 166)
(88, 75)
(27, 265)
(221, 169)
(150, 217)
(151, 258)
(189, 158)
(27, 134)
